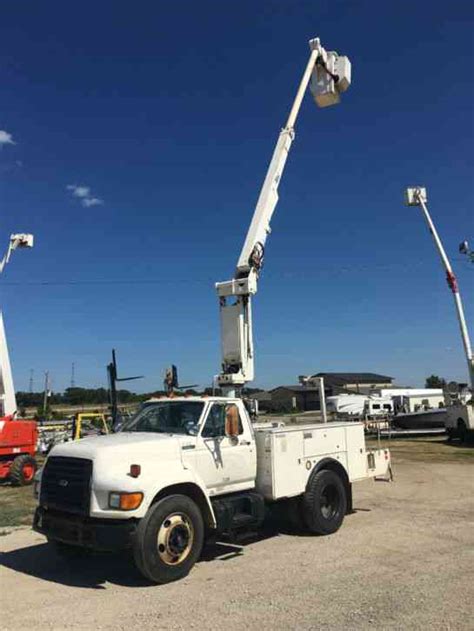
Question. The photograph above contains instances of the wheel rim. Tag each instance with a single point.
(329, 501)
(28, 472)
(175, 539)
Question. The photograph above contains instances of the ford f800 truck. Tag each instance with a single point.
(188, 468)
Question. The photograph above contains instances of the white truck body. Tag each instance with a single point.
(288, 455)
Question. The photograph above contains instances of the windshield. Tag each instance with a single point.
(169, 417)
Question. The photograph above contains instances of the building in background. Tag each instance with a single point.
(305, 395)
(353, 382)
(301, 397)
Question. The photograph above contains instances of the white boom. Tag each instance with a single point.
(416, 196)
(7, 390)
(328, 75)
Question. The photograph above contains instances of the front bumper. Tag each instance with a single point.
(86, 532)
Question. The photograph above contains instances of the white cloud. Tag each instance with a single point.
(79, 191)
(83, 193)
(6, 138)
(92, 201)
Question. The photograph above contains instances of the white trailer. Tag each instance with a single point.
(360, 405)
(350, 404)
(187, 468)
(417, 401)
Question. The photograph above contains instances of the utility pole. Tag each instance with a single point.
(73, 380)
(32, 372)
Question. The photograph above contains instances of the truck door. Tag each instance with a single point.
(225, 464)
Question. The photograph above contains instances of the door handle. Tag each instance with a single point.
(245, 442)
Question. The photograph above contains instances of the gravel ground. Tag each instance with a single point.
(403, 560)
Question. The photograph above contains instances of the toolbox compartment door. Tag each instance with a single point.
(323, 440)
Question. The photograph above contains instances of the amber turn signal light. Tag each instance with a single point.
(125, 501)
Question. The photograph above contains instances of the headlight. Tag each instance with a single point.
(125, 501)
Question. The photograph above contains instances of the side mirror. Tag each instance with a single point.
(232, 421)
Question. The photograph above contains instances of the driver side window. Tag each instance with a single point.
(215, 422)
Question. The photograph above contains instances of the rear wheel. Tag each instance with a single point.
(169, 539)
(324, 503)
(22, 471)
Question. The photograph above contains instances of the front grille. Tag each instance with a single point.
(65, 484)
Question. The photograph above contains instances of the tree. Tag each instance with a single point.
(433, 381)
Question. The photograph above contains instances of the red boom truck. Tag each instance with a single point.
(18, 441)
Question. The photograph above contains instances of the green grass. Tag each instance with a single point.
(17, 505)
(426, 449)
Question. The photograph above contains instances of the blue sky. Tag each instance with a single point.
(168, 114)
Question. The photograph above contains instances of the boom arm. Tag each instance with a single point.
(329, 75)
(417, 197)
(7, 390)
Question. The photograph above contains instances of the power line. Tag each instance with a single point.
(335, 269)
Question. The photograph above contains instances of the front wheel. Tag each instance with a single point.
(169, 539)
(324, 503)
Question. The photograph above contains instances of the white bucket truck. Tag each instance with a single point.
(459, 418)
(188, 468)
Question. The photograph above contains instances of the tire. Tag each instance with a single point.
(169, 539)
(324, 503)
(22, 471)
